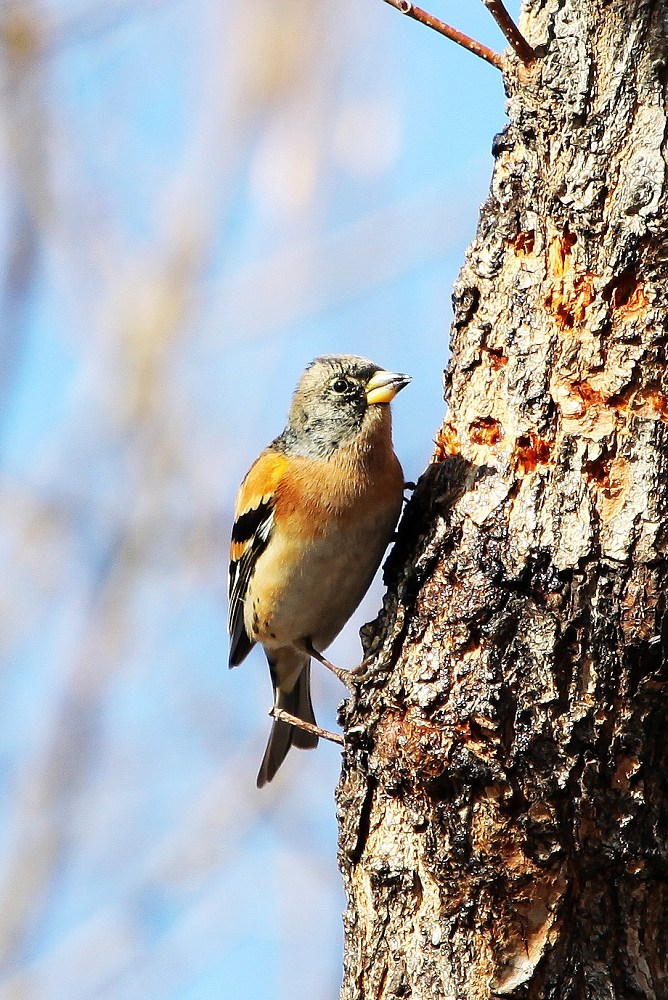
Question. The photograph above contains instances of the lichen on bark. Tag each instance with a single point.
(504, 798)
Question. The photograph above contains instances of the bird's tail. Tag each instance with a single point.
(295, 700)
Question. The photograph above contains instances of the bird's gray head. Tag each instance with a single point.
(337, 396)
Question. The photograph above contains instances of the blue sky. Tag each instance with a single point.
(202, 198)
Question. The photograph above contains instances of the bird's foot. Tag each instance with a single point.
(347, 677)
(351, 678)
(361, 671)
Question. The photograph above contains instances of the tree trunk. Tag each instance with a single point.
(504, 797)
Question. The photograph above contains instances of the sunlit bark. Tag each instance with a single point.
(504, 801)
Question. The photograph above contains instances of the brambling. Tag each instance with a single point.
(313, 518)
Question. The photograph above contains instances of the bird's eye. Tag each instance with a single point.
(340, 385)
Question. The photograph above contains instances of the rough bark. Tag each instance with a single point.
(504, 798)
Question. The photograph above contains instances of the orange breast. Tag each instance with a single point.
(346, 487)
(360, 478)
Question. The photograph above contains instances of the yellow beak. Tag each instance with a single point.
(383, 386)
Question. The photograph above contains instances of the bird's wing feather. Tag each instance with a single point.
(250, 536)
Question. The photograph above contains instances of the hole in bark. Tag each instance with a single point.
(626, 292)
(565, 317)
(485, 430)
(587, 393)
(443, 788)
(531, 451)
(524, 719)
(592, 397)
(645, 400)
(601, 472)
(524, 243)
(541, 577)
(497, 358)
(568, 310)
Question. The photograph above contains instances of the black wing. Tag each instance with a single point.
(250, 534)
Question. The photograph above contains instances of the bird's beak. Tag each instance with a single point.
(383, 386)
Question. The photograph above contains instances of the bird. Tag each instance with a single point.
(312, 520)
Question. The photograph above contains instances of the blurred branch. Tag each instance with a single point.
(477, 48)
(515, 37)
(17, 274)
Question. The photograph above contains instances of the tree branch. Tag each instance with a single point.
(515, 37)
(477, 48)
(282, 716)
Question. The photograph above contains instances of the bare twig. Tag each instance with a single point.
(294, 720)
(515, 37)
(478, 49)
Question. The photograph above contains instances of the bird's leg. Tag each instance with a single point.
(351, 678)
(345, 676)
(308, 727)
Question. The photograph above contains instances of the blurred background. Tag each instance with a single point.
(196, 198)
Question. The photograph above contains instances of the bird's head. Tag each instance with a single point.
(339, 397)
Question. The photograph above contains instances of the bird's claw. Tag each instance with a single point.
(361, 671)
